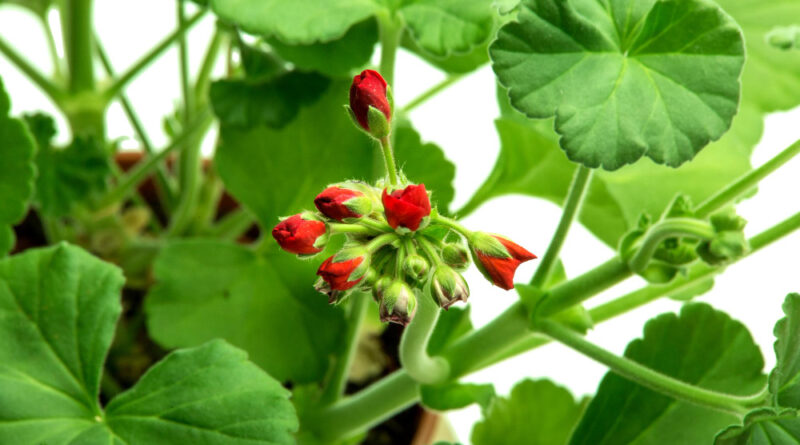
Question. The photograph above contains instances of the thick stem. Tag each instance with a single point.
(122, 81)
(730, 193)
(388, 159)
(54, 92)
(648, 377)
(355, 318)
(380, 241)
(453, 224)
(572, 205)
(414, 344)
(583, 287)
(204, 75)
(433, 91)
(233, 225)
(669, 228)
(76, 17)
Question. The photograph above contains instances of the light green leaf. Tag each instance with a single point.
(700, 346)
(784, 381)
(763, 426)
(456, 395)
(16, 171)
(337, 58)
(298, 22)
(66, 176)
(266, 305)
(454, 63)
(444, 27)
(538, 412)
(58, 310)
(626, 78)
(425, 162)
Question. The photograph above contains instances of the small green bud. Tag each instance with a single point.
(448, 287)
(456, 256)
(380, 287)
(399, 304)
(416, 267)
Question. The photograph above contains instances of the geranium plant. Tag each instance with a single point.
(160, 298)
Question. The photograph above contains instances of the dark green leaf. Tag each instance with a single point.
(297, 22)
(275, 102)
(16, 171)
(68, 176)
(456, 395)
(538, 412)
(337, 58)
(700, 346)
(425, 163)
(626, 78)
(266, 305)
(763, 426)
(444, 27)
(784, 381)
(58, 308)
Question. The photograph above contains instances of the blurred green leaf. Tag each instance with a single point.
(538, 412)
(456, 395)
(59, 307)
(763, 426)
(424, 163)
(16, 171)
(266, 305)
(701, 346)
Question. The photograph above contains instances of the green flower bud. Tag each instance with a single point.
(399, 304)
(448, 287)
(456, 256)
(380, 287)
(416, 267)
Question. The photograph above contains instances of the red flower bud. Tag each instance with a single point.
(407, 207)
(299, 235)
(369, 90)
(498, 258)
(345, 269)
(339, 203)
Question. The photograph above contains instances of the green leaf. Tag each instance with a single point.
(299, 22)
(784, 380)
(444, 27)
(66, 176)
(424, 163)
(538, 412)
(274, 102)
(454, 63)
(700, 346)
(16, 171)
(266, 305)
(763, 426)
(58, 308)
(456, 395)
(626, 78)
(531, 163)
(337, 58)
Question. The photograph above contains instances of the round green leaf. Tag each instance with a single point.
(784, 381)
(763, 426)
(700, 346)
(444, 27)
(626, 78)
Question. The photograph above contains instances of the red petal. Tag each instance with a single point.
(297, 235)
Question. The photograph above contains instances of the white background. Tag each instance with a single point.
(460, 120)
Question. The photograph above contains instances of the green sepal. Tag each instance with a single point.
(349, 253)
(488, 245)
(379, 126)
(399, 303)
(416, 267)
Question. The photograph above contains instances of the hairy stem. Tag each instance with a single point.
(388, 158)
(355, 317)
(572, 205)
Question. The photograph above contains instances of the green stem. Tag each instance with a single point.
(419, 100)
(123, 80)
(668, 228)
(351, 228)
(414, 344)
(390, 32)
(388, 158)
(233, 225)
(164, 188)
(204, 75)
(430, 250)
(77, 28)
(648, 377)
(572, 205)
(51, 47)
(54, 92)
(380, 241)
(379, 226)
(355, 318)
(746, 182)
(142, 170)
(453, 224)
(583, 287)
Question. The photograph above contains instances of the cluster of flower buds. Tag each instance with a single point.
(397, 247)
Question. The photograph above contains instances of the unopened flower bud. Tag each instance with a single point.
(323, 287)
(345, 269)
(371, 103)
(407, 207)
(455, 255)
(448, 286)
(498, 258)
(380, 287)
(399, 304)
(416, 267)
(342, 203)
(301, 234)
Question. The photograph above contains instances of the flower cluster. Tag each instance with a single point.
(397, 247)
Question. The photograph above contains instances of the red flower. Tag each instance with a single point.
(499, 262)
(406, 207)
(369, 89)
(340, 203)
(338, 274)
(298, 235)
